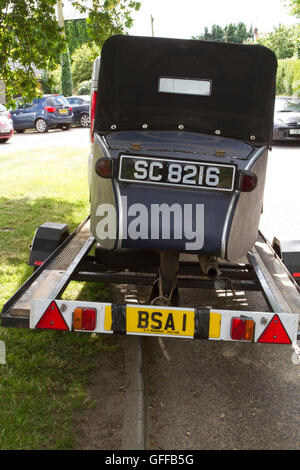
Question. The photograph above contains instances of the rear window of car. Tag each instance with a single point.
(287, 105)
(57, 101)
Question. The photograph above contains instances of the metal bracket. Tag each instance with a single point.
(2, 353)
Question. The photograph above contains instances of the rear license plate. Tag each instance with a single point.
(160, 320)
(169, 172)
(294, 131)
(63, 111)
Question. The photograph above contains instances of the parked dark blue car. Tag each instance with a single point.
(50, 111)
(81, 109)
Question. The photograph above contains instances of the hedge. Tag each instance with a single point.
(288, 77)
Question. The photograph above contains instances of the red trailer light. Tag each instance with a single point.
(84, 319)
(52, 319)
(275, 333)
(242, 328)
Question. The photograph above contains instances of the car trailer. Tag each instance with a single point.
(60, 257)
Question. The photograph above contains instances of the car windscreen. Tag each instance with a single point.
(286, 105)
(57, 101)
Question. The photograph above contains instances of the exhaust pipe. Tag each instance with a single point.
(209, 266)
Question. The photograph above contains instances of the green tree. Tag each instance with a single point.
(82, 63)
(280, 82)
(236, 33)
(107, 17)
(76, 33)
(294, 7)
(30, 41)
(283, 41)
(66, 74)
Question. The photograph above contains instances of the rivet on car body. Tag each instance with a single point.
(218, 132)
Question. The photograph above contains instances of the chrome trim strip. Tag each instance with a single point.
(226, 223)
(120, 214)
(256, 155)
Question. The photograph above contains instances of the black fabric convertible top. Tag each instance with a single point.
(241, 103)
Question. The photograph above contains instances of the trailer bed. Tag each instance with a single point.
(263, 271)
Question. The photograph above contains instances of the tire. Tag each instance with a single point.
(65, 127)
(41, 125)
(2, 141)
(85, 120)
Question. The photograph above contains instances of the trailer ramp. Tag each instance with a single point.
(51, 279)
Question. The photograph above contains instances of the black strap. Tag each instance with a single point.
(201, 323)
(118, 316)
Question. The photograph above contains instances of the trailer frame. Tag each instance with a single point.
(263, 271)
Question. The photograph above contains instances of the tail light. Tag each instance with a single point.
(247, 181)
(93, 112)
(9, 115)
(70, 108)
(50, 109)
(84, 319)
(104, 167)
(242, 328)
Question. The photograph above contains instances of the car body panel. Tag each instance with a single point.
(223, 212)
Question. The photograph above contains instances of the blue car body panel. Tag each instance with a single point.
(230, 219)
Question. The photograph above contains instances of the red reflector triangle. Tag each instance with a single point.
(52, 319)
(274, 333)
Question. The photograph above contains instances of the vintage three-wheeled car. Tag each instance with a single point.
(181, 131)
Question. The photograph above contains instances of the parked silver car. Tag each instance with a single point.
(287, 118)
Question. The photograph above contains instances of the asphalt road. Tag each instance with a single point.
(32, 140)
(213, 395)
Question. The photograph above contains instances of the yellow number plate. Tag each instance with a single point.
(63, 111)
(167, 321)
(163, 321)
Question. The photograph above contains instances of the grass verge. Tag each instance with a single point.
(44, 380)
